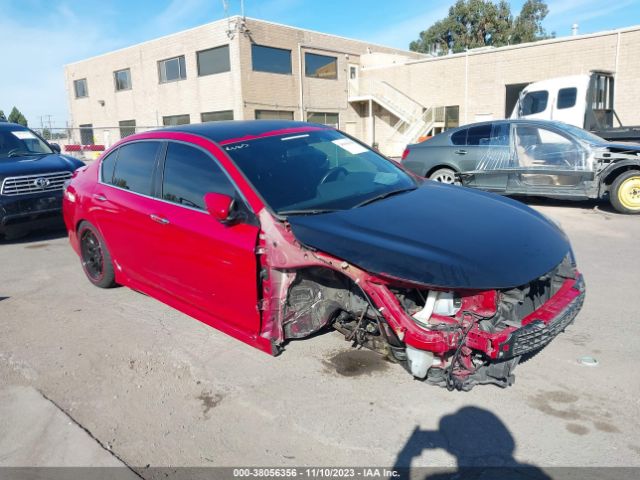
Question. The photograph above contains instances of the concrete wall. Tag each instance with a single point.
(476, 81)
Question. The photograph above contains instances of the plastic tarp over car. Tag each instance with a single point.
(528, 147)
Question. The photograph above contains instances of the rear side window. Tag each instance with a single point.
(189, 174)
(567, 97)
(535, 102)
(134, 167)
(460, 137)
(479, 135)
(108, 166)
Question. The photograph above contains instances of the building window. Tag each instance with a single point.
(320, 66)
(86, 134)
(127, 127)
(80, 87)
(176, 120)
(326, 118)
(172, 69)
(214, 60)
(567, 97)
(216, 116)
(269, 59)
(274, 115)
(122, 79)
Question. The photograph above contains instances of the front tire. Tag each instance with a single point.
(95, 257)
(625, 192)
(444, 175)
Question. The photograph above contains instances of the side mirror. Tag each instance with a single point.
(220, 207)
(55, 147)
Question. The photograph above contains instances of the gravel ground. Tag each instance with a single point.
(159, 388)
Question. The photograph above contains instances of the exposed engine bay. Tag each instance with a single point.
(478, 337)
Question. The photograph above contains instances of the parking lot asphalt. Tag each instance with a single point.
(156, 387)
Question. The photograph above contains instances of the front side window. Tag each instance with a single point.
(536, 147)
(274, 115)
(80, 88)
(316, 170)
(325, 118)
(534, 102)
(19, 143)
(213, 60)
(270, 59)
(122, 79)
(216, 116)
(567, 97)
(189, 174)
(320, 66)
(172, 69)
(127, 127)
(107, 167)
(176, 120)
(134, 167)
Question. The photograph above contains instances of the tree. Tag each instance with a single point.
(481, 23)
(2, 117)
(17, 117)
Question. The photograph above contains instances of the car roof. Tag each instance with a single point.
(232, 129)
(11, 126)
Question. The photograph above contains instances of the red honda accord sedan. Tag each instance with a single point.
(273, 230)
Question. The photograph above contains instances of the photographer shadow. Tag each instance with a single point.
(480, 442)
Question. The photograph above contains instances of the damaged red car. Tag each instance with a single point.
(271, 231)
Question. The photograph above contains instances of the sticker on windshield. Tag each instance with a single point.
(350, 146)
(23, 134)
(384, 178)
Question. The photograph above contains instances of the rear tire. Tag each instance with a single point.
(625, 192)
(95, 257)
(444, 175)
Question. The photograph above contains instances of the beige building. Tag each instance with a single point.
(244, 69)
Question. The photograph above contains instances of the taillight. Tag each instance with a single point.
(404, 154)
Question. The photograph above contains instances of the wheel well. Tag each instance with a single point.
(611, 176)
(428, 174)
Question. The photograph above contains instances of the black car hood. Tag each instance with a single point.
(441, 235)
(35, 164)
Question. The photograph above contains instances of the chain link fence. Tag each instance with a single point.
(88, 143)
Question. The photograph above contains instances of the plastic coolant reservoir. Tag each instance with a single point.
(419, 361)
(445, 304)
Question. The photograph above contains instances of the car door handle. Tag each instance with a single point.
(99, 197)
(460, 152)
(158, 219)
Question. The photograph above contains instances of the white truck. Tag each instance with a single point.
(585, 101)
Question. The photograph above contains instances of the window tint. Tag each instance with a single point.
(176, 120)
(108, 165)
(134, 168)
(80, 88)
(479, 135)
(534, 102)
(172, 69)
(567, 97)
(127, 127)
(499, 134)
(320, 66)
(460, 137)
(274, 115)
(269, 59)
(216, 116)
(214, 60)
(122, 79)
(189, 174)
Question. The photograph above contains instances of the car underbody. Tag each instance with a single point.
(454, 339)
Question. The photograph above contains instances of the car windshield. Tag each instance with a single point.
(317, 171)
(582, 134)
(18, 143)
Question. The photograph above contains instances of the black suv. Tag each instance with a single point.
(32, 174)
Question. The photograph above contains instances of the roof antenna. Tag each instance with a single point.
(239, 25)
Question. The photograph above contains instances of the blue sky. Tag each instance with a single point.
(41, 36)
